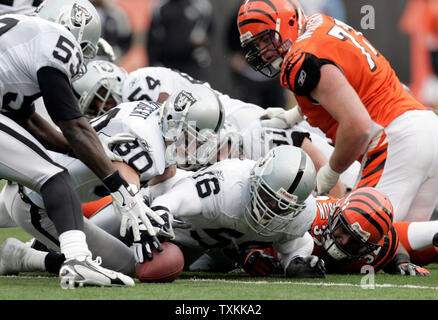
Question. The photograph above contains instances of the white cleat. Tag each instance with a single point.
(83, 271)
(12, 254)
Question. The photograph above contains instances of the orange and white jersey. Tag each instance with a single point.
(329, 41)
(377, 259)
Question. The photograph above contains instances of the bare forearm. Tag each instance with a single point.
(46, 134)
(86, 146)
(350, 144)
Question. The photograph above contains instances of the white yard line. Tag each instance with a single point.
(324, 284)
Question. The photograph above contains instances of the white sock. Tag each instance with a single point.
(420, 234)
(73, 244)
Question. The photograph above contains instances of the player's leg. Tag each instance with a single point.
(16, 257)
(24, 160)
(420, 239)
(399, 166)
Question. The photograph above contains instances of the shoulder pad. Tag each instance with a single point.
(301, 73)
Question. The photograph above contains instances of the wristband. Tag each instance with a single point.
(114, 181)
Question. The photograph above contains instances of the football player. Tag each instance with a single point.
(239, 204)
(345, 87)
(155, 84)
(140, 160)
(41, 55)
(358, 230)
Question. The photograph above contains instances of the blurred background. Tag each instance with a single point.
(200, 37)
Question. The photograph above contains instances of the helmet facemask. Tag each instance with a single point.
(100, 88)
(355, 247)
(184, 137)
(267, 59)
(268, 211)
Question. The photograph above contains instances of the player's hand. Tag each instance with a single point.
(326, 179)
(143, 247)
(281, 118)
(306, 267)
(132, 210)
(410, 269)
(163, 231)
(109, 142)
(105, 49)
(259, 263)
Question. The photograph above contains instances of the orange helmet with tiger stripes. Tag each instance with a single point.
(280, 20)
(366, 215)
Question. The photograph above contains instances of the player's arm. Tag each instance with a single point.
(62, 107)
(338, 97)
(45, 133)
(297, 260)
(181, 200)
(319, 160)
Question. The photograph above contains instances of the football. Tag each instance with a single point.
(166, 266)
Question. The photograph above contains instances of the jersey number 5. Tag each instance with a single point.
(64, 51)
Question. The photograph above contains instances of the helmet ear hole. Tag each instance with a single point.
(291, 22)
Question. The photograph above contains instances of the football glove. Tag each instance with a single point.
(130, 208)
(326, 179)
(163, 231)
(143, 247)
(105, 49)
(281, 118)
(306, 267)
(109, 142)
(410, 269)
(259, 263)
(402, 265)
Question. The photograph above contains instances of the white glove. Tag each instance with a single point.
(131, 210)
(281, 118)
(105, 49)
(326, 179)
(109, 142)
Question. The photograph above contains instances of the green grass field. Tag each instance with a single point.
(220, 286)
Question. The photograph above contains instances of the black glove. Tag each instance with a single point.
(259, 263)
(143, 248)
(402, 265)
(164, 232)
(306, 267)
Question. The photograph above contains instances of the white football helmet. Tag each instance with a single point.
(100, 88)
(78, 16)
(280, 182)
(190, 117)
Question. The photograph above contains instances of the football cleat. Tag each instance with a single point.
(83, 271)
(12, 254)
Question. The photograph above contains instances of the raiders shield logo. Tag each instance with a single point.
(184, 100)
(77, 13)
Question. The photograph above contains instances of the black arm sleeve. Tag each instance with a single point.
(58, 95)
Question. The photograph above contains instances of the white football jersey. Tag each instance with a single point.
(146, 155)
(213, 202)
(27, 44)
(19, 6)
(258, 140)
(147, 84)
